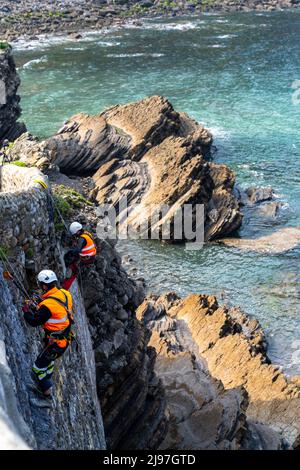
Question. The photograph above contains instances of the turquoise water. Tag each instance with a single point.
(234, 74)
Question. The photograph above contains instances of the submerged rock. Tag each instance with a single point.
(278, 242)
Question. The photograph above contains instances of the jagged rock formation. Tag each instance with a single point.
(124, 371)
(10, 110)
(234, 349)
(150, 154)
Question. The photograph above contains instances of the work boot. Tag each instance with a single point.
(45, 396)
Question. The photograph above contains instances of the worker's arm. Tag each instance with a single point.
(81, 244)
(37, 317)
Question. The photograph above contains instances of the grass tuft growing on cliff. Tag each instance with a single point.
(16, 162)
(66, 199)
(72, 197)
(4, 45)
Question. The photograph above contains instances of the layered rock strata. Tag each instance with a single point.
(153, 156)
(233, 349)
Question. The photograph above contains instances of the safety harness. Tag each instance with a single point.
(67, 332)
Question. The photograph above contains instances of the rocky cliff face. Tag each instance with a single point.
(113, 363)
(231, 348)
(10, 110)
(149, 154)
(74, 421)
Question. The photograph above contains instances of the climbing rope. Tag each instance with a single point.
(15, 277)
(46, 187)
(80, 280)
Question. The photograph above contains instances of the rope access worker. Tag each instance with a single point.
(54, 313)
(84, 250)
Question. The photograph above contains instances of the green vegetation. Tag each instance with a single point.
(4, 251)
(29, 254)
(10, 145)
(56, 14)
(118, 130)
(72, 197)
(169, 3)
(66, 199)
(4, 45)
(19, 163)
(16, 162)
(64, 208)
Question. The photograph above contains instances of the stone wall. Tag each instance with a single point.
(27, 215)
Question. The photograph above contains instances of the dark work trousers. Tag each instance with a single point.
(44, 364)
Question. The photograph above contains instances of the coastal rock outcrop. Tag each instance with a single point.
(233, 348)
(150, 154)
(10, 110)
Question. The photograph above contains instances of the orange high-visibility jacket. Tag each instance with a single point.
(90, 247)
(59, 314)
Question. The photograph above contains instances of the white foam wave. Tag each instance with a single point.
(108, 43)
(227, 36)
(218, 132)
(41, 42)
(31, 63)
(166, 26)
(137, 54)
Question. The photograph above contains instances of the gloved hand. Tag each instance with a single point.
(29, 306)
(25, 308)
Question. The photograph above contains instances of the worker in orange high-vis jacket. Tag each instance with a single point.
(54, 313)
(84, 250)
(85, 247)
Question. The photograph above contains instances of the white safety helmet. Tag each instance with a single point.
(47, 277)
(75, 227)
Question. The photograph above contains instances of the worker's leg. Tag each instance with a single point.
(44, 365)
(72, 276)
